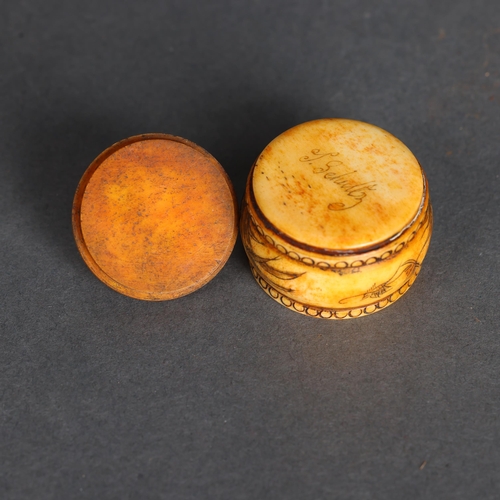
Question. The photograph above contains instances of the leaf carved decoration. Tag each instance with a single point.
(407, 269)
(265, 263)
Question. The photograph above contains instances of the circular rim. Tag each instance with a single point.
(332, 251)
(87, 255)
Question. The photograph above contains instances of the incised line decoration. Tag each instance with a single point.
(319, 312)
(265, 264)
(340, 267)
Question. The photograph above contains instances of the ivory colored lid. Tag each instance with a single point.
(155, 217)
(337, 185)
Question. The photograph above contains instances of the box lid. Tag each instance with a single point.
(337, 186)
(155, 217)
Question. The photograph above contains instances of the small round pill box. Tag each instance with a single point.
(336, 219)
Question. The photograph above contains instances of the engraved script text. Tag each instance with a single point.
(334, 170)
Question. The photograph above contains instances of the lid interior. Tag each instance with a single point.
(155, 217)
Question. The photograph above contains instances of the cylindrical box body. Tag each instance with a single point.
(336, 219)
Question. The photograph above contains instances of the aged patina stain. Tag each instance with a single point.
(155, 217)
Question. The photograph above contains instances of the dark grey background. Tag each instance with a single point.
(225, 393)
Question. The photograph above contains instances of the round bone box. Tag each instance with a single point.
(336, 219)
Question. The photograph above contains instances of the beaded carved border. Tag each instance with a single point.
(340, 266)
(318, 312)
